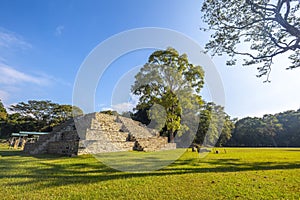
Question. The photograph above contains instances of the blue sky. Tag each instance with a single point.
(44, 43)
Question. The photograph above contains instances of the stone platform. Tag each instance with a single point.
(99, 133)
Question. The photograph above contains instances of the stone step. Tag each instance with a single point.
(153, 144)
(168, 146)
(95, 134)
(97, 146)
(134, 128)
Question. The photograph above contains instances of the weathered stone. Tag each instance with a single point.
(98, 133)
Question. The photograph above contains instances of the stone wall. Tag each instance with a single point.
(99, 133)
(63, 140)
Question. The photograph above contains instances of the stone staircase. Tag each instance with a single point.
(99, 133)
(104, 135)
(135, 128)
(146, 139)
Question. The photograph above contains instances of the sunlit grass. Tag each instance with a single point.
(134, 161)
(236, 174)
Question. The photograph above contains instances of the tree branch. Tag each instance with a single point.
(288, 8)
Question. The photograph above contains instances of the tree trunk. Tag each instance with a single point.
(171, 137)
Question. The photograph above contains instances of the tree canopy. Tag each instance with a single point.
(3, 112)
(36, 116)
(169, 84)
(281, 129)
(215, 126)
(267, 27)
(45, 112)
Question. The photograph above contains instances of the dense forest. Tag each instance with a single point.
(278, 130)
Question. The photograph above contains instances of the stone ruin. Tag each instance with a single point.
(99, 133)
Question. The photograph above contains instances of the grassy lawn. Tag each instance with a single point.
(237, 174)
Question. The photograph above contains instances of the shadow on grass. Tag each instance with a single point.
(297, 150)
(50, 171)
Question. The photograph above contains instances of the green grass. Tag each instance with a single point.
(238, 174)
(134, 161)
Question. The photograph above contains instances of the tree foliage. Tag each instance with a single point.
(169, 80)
(282, 129)
(215, 126)
(36, 116)
(267, 27)
(3, 112)
(44, 112)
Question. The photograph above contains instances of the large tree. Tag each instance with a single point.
(3, 113)
(170, 84)
(267, 27)
(215, 126)
(35, 116)
(3, 117)
(46, 113)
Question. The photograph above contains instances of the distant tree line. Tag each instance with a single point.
(278, 130)
(33, 116)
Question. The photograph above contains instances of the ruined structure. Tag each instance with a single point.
(98, 133)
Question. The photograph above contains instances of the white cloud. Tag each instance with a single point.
(11, 76)
(14, 84)
(10, 40)
(120, 108)
(126, 106)
(106, 108)
(59, 29)
(3, 96)
(123, 107)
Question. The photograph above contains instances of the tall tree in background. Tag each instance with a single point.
(44, 114)
(3, 112)
(215, 126)
(268, 28)
(271, 127)
(169, 80)
(35, 116)
(3, 117)
(290, 130)
(227, 129)
(249, 132)
(41, 111)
